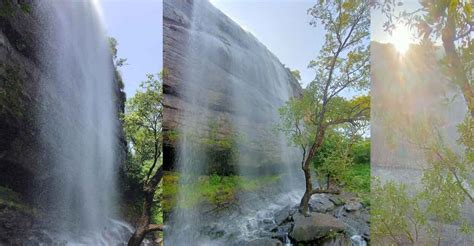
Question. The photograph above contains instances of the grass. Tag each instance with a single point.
(213, 189)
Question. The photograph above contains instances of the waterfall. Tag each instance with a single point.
(231, 87)
(78, 118)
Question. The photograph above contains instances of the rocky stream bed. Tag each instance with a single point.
(265, 221)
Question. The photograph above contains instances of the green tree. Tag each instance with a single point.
(118, 62)
(334, 162)
(143, 130)
(361, 151)
(296, 73)
(343, 62)
(397, 217)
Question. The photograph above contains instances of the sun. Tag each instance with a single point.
(401, 38)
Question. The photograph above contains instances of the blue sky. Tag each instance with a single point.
(282, 25)
(377, 32)
(137, 26)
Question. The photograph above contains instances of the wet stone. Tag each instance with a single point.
(321, 204)
(352, 206)
(264, 242)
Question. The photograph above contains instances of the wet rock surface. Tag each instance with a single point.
(203, 54)
(23, 228)
(337, 225)
(315, 227)
(264, 242)
(335, 220)
(25, 163)
(321, 204)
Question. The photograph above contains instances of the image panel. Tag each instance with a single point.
(76, 155)
(256, 152)
(422, 123)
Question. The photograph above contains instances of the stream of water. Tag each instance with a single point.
(239, 76)
(79, 124)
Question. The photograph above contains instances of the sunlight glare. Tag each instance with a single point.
(401, 38)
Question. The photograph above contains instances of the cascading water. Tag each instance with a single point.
(231, 84)
(78, 117)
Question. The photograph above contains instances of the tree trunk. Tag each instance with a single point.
(143, 225)
(303, 208)
(144, 220)
(328, 181)
(140, 232)
(456, 67)
(307, 194)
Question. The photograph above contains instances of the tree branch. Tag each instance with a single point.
(324, 191)
(154, 227)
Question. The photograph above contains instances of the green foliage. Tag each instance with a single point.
(361, 151)
(342, 64)
(13, 96)
(157, 210)
(219, 191)
(332, 160)
(12, 200)
(446, 186)
(118, 62)
(221, 141)
(293, 119)
(359, 182)
(142, 120)
(218, 143)
(396, 217)
(336, 160)
(430, 19)
(296, 73)
(448, 183)
(143, 131)
(299, 116)
(9, 8)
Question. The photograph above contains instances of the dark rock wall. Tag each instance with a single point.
(231, 75)
(23, 161)
(19, 69)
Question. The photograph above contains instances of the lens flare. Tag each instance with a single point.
(401, 38)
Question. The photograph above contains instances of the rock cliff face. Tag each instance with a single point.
(19, 69)
(23, 161)
(224, 75)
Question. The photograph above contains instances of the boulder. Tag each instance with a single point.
(284, 214)
(358, 221)
(315, 227)
(336, 240)
(264, 242)
(352, 205)
(321, 204)
(338, 201)
(284, 228)
(268, 225)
